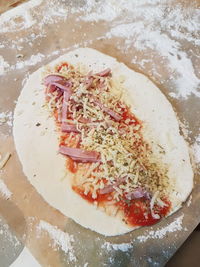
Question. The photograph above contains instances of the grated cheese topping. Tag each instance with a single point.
(125, 156)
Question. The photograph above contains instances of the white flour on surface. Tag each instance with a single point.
(189, 201)
(4, 191)
(196, 149)
(159, 29)
(122, 247)
(3, 65)
(33, 60)
(18, 18)
(158, 234)
(6, 117)
(60, 238)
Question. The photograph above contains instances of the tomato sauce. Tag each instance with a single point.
(137, 212)
(100, 198)
(127, 114)
(71, 165)
(62, 65)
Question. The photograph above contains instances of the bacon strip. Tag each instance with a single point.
(69, 128)
(104, 73)
(80, 155)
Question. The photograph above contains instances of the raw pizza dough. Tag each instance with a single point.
(45, 169)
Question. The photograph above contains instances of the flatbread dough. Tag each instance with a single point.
(45, 169)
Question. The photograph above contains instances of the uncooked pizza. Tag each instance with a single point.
(101, 143)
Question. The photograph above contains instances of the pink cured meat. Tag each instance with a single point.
(137, 193)
(80, 155)
(63, 85)
(51, 78)
(104, 73)
(109, 111)
(110, 188)
(69, 128)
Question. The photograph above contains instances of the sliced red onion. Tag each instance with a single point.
(80, 155)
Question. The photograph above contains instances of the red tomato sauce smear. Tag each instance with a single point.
(136, 212)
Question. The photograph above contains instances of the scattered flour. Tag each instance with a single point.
(196, 149)
(122, 247)
(63, 240)
(161, 30)
(3, 65)
(172, 227)
(6, 117)
(18, 18)
(33, 60)
(189, 201)
(5, 192)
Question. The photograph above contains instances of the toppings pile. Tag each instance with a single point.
(112, 166)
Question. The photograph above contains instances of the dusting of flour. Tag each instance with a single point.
(172, 227)
(60, 238)
(6, 117)
(159, 29)
(4, 191)
(122, 246)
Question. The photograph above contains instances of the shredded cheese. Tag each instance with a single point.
(124, 153)
(152, 203)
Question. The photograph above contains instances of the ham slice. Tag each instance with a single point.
(110, 188)
(109, 111)
(80, 155)
(88, 82)
(112, 113)
(68, 128)
(51, 88)
(63, 85)
(137, 193)
(104, 73)
(51, 78)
